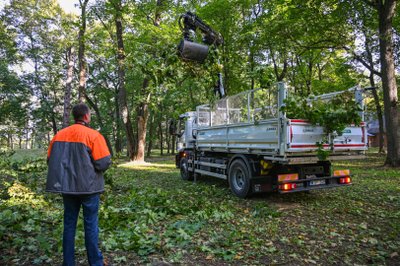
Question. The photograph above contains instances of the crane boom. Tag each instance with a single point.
(190, 50)
(191, 22)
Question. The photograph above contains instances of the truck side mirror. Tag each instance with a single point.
(172, 127)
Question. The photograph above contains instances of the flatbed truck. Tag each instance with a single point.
(247, 140)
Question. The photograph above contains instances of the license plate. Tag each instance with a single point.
(317, 182)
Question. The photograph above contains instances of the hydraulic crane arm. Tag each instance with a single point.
(193, 51)
(189, 23)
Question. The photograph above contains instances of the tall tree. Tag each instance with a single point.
(368, 50)
(365, 23)
(386, 11)
(81, 53)
(122, 97)
(13, 92)
(70, 58)
(145, 93)
(38, 27)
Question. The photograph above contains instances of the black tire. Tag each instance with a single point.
(239, 178)
(185, 174)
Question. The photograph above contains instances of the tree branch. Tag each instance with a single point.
(363, 62)
(105, 27)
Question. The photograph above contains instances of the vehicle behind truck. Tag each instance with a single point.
(247, 140)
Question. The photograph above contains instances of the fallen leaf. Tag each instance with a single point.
(310, 261)
(364, 226)
(394, 254)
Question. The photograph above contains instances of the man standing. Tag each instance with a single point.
(77, 158)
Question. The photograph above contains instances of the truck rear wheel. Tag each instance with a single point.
(239, 178)
(185, 173)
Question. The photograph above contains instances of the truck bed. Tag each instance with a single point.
(251, 123)
(296, 142)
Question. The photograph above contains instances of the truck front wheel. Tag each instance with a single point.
(185, 173)
(239, 178)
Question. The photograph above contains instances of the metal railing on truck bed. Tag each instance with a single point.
(251, 123)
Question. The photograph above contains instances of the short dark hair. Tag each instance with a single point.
(80, 110)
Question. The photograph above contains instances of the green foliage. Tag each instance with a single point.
(303, 46)
(13, 92)
(333, 116)
(150, 214)
(322, 154)
(26, 219)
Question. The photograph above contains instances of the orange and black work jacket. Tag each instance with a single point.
(77, 158)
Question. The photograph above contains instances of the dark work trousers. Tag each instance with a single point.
(90, 206)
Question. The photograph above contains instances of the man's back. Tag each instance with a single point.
(77, 157)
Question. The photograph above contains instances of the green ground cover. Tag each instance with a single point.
(149, 214)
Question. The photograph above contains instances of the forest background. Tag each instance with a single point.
(120, 58)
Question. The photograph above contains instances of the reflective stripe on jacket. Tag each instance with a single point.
(77, 158)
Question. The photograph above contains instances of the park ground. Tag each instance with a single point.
(149, 215)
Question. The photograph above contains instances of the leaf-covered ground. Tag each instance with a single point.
(148, 214)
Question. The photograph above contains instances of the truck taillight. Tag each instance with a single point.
(341, 172)
(345, 180)
(288, 177)
(287, 187)
(344, 176)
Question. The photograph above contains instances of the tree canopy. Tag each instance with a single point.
(132, 73)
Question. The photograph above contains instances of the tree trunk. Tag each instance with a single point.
(54, 123)
(124, 109)
(160, 132)
(81, 52)
(142, 117)
(309, 76)
(151, 133)
(27, 144)
(378, 113)
(386, 11)
(33, 138)
(70, 56)
(167, 136)
(96, 109)
(142, 127)
(117, 121)
(282, 75)
(368, 50)
(252, 63)
(173, 143)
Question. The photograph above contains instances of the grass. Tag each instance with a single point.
(149, 214)
(21, 154)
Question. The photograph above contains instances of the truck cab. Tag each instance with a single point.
(185, 131)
